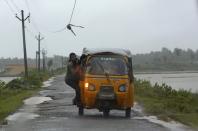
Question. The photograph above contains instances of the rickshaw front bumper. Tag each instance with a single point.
(106, 98)
(106, 93)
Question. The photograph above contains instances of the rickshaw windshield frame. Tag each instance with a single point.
(103, 68)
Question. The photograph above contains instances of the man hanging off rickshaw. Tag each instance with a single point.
(73, 75)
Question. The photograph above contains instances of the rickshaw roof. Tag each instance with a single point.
(94, 51)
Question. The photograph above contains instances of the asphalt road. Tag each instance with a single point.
(59, 115)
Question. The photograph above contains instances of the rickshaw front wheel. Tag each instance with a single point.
(106, 112)
(128, 112)
(81, 111)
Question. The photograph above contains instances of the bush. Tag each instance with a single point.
(165, 102)
(163, 96)
(2, 84)
(16, 84)
(34, 80)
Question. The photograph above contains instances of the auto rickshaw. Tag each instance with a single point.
(107, 81)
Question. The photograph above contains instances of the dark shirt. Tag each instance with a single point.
(71, 75)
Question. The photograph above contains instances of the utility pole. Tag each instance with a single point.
(39, 50)
(44, 56)
(22, 19)
(36, 59)
(62, 59)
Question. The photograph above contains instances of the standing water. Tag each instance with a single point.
(187, 81)
(7, 79)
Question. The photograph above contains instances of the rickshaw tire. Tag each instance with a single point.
(128, 112)
(106, 112)
(80, 111)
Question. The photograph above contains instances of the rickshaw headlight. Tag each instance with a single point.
(122, 88)
(86, 85)
(91, 87)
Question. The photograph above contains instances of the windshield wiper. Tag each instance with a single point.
(106, 74)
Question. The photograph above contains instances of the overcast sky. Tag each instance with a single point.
(139, 25)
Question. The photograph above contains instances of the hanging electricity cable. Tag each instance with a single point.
(33, 23)
(10, 7)
(27, 4)
(15, 5)
(30, 32)
(69, 25)
(72, 11)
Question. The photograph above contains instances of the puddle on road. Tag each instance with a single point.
(27, 111)
(36, 100)
(48, 83)
(22, 116)
(172, 125)
(137, 108)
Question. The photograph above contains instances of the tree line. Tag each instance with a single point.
(164, 60)
(167, 60)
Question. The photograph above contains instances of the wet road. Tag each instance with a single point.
(57, 114)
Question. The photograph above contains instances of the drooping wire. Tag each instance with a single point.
(69, 25)
(72, 12)
(10, 7)
(27, 4)
(33, 23)
(17, 8)
(70, 19)
(30, 32)
(60, 30)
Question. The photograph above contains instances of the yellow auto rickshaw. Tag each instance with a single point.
(107, 81)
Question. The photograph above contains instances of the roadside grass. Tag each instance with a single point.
(165, 102)
(13, 99)
(13, 93)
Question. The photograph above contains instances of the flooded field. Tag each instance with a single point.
(7, 79)
(187, 81)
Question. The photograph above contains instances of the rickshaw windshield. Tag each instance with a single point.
(102, 65)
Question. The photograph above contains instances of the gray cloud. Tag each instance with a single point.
(138, 25)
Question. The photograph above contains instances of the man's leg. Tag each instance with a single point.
(78, 100)
(73, 85)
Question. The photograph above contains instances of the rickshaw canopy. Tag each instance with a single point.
(95, 51)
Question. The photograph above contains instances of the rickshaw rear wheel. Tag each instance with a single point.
(128, 112)
(80, 111)
(106, 112)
